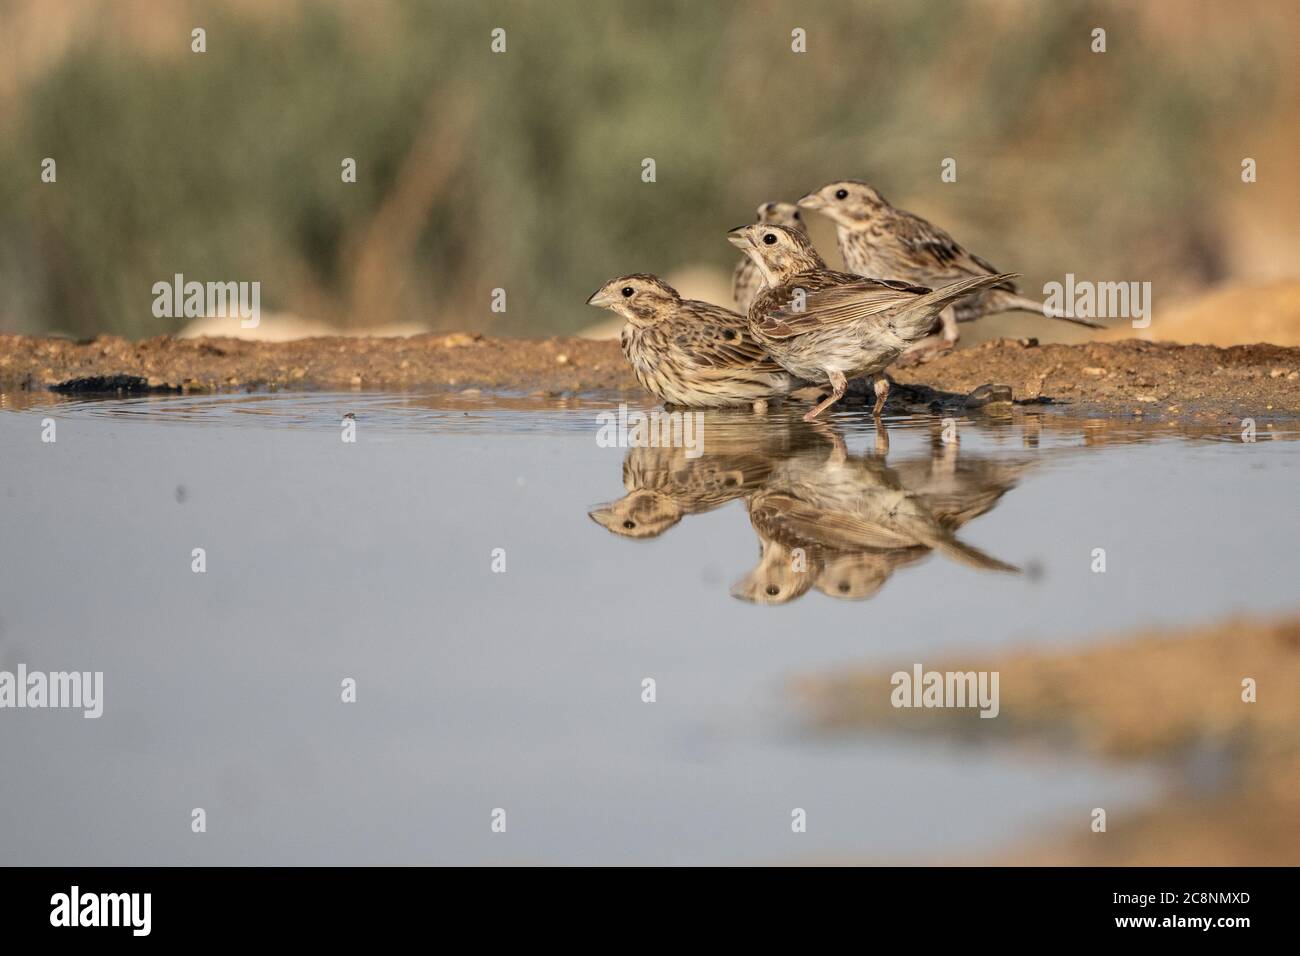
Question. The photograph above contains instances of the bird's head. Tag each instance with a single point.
(779, 251)
(780, 576)
(781, 214)
(638, 297)
(847, 202)
(854, 577)
(638, 514)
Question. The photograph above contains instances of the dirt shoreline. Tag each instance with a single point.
(1170, 700)
(1130, 377)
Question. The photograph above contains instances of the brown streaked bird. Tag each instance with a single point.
(852, 521)
(859, 575)
(883, 242)
(781, 575)
(827, 327)
(665, 485)
(687, 352)
(746, 281)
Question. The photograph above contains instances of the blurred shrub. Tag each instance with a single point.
(522, 170)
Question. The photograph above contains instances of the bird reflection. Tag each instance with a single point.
(847, 522)
(826, 519)
(664, 485)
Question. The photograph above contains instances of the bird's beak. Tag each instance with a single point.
(739, 237)
(812, 201)
(597, 298)
(744, 589)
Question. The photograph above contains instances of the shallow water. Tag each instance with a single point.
(522, 690)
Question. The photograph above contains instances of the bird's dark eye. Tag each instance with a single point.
(796, 215)
(627, 291)
(841, 194)
(770, 239)
(728, 335)
(629, 525)
(773, 590)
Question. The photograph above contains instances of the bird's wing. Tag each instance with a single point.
(935, 251)
(714, 337)
(815, 300)
(792, 518)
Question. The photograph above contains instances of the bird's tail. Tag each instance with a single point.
(917, 318)
(970, 555)
(1011, 302)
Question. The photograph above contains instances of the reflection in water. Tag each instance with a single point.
(663, 484)
(825, 518)
(453, 660)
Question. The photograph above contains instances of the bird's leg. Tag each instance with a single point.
(944, 461)
(882, 439)
(839, 450)
(838, 384)
(881, 387)
(948, 334)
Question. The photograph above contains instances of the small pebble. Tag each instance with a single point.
(989, 394)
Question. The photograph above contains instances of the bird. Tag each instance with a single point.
(844, 523)
(783, 573)
(880, 241)
(690, 353)
(859, 575)
(827, 327)
(746, 281)
(663, 485)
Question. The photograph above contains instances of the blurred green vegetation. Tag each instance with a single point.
(522, 170)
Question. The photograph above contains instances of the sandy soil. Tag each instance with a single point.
(1128, 377)
(1169, 700)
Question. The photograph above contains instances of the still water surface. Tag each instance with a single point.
(522, 690)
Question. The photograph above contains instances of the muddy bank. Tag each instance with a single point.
(457, 360)
(1129, 377)
(1170, 700)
